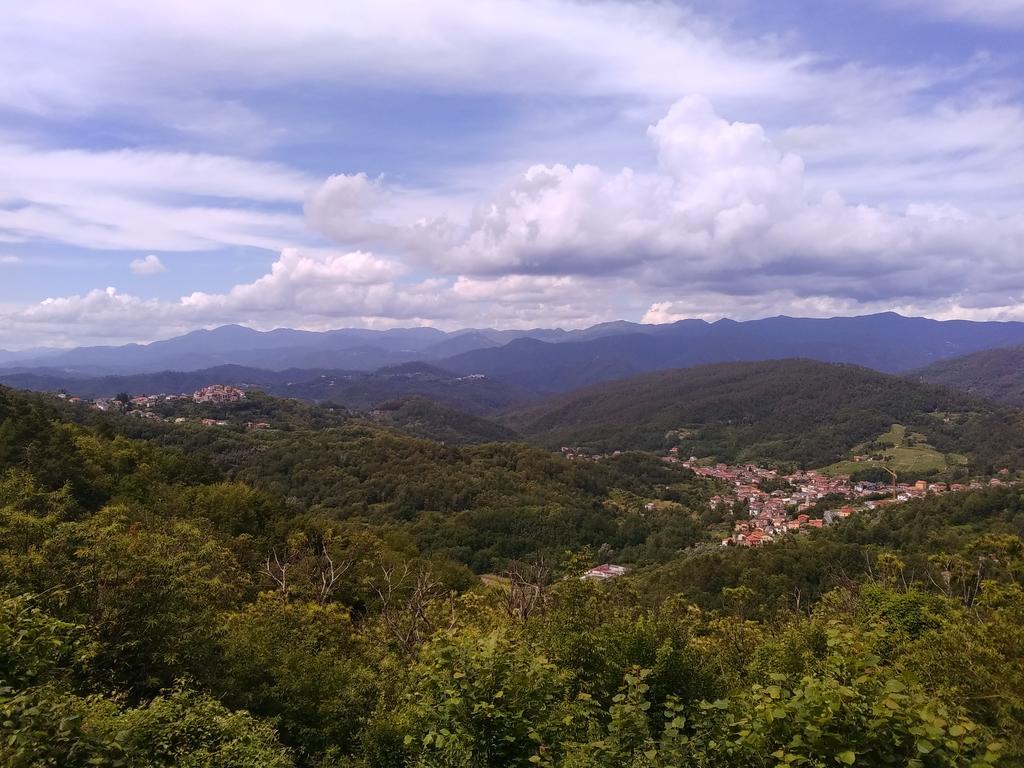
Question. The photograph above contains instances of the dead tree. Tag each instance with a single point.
(406, 599)
(329, 574)
(277, 569)
(958, 578)
(527, 589)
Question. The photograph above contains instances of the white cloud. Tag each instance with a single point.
(72, 59)
(726, 211)
(727, 224)
(133, 199)
(970, 152)
(859, 184)
(316, 291)
(151, 265)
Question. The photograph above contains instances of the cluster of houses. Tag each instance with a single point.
(574, 453)
(141, 406)
(777, 502)
(219, 394)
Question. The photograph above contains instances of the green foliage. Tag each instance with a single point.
(137, 629)
(796, 411)
(184, 729)
(34, 646)
(302, 664)
(483, 700)
(991, 373)
(852, 710)
(43, 726)
(424, 418)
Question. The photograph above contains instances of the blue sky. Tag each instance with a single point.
(169, 165)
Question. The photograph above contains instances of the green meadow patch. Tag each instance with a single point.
(899, 450)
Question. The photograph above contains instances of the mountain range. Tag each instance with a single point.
(283, 348)
(487, 370)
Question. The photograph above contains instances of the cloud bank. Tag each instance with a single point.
(726, 224)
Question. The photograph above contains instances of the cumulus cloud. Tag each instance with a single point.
(318, 290)
(150, 265)
(727, 223)
(727, 211)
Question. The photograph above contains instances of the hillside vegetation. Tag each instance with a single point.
(799, 411)
(355, 390)
(997, 374)
(299, 598)
(907, 453)
(421, 417)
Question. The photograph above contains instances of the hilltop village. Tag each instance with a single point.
(778, 504)
(142, 406)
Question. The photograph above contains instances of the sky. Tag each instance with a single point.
(166, 166)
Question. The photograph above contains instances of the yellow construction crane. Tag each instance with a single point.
(893, 480)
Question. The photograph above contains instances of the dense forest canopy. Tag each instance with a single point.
(800, 411)
(308, 596)
(997, 374)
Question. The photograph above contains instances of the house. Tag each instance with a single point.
(218, 393)
(604, 572)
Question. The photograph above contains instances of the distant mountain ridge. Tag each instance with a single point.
(886, 342)
(283, 348)
(544, 360)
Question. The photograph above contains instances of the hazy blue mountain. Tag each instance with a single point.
(283, 348)
(886, 342)
(237, 345)
(458, 343)
(550, 360)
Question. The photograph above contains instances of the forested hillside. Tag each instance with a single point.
(301, 597)
(356, 390)
(800, 411)
(997, 374)
(421, 417)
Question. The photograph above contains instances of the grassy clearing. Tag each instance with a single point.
(903, 452)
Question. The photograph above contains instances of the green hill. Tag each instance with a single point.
(421, 417)
(997, 374)
(902, 451)
(799, 411)
(298, 597)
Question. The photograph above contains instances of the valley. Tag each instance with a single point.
(512, 384)
(373, 533)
